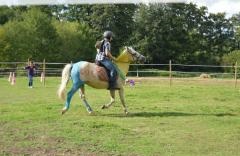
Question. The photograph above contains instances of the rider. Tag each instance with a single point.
(104, 57)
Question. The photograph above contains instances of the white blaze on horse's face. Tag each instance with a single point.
(136, 56)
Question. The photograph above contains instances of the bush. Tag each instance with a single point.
(230, 59)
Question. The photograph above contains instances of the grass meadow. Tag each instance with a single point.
(192, 117)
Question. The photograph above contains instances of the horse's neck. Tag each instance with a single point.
(123, 63)
(124, 67)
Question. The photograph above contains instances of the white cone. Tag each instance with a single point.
(42, 77)
(10, 77)
(13, 79)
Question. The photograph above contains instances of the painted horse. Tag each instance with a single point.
(95, 76)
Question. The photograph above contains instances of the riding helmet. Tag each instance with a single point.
(107, 34)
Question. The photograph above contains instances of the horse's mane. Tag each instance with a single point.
(123, 57)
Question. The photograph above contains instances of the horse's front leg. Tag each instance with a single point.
(112, 95)
(122, 98)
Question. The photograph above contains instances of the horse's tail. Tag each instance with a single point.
(65, 78)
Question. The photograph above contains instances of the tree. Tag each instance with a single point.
(11, 13)
(236, 23)
(31, 37)
(76, 41)
(115, 17)
(159, 32)
(3, 45)
(182, 33)
(6, 14)
(230, 59)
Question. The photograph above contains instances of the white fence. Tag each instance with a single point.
(138, 70)
(51, 69)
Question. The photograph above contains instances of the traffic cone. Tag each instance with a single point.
(13, 79)
(10, 77)
(42, 77)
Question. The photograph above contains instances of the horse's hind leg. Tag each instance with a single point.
(82, 92)
(70, 94)
(83, 97)
(112, 94)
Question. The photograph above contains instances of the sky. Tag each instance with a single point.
(214, 6)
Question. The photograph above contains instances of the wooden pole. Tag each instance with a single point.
(235, 75)
(28, 62)
(44, 70)
(137, 71)
(170, 72)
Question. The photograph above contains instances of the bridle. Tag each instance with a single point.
(134, 55)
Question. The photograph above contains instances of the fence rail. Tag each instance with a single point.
(139, 70)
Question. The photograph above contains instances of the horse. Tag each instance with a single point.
(95, 76)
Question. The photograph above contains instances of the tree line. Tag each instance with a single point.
(183, 33)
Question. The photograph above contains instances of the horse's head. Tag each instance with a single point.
(135, 56)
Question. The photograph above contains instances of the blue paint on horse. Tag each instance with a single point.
(77, 82)
(75, 73)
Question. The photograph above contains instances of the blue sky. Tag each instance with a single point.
(214, 6)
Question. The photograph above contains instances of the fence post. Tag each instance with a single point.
(44, 72)
(137, 70)
(235, 77)
(170, 72)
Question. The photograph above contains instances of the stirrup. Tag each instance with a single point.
(114, 88)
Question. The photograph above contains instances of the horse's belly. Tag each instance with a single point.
(97, 84)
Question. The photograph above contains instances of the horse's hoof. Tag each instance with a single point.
(82, 97)
(64, 110)
(104, 107)
(91, 113)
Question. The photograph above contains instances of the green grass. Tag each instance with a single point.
(200, 118)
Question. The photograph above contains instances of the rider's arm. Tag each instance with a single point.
(108, 52)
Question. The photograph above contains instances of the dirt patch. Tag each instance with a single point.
(47, 146)
(39, 151)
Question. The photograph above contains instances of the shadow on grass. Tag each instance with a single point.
(166, 114)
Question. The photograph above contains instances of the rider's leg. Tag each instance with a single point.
(112, 73)
(30, 83)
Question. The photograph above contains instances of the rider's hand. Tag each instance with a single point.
(114, 58)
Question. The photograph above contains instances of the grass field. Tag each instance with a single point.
(199, 118)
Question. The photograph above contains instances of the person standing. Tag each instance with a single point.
(31, 71)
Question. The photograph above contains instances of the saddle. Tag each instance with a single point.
(101, 73)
